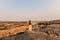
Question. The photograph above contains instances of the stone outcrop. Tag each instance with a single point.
(11, 28)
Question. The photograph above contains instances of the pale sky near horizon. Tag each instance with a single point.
(17, 10)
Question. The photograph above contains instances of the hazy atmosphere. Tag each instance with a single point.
(17, 10)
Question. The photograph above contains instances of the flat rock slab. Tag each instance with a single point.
(30, 36)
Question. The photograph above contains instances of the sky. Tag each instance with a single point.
(36, 10)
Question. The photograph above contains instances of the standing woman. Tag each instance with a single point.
(30, 25)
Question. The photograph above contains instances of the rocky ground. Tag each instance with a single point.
(39, 32)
